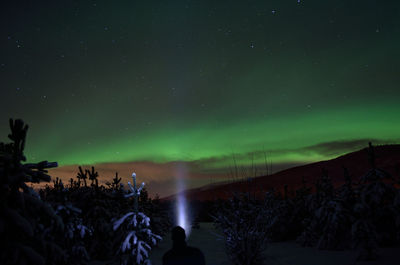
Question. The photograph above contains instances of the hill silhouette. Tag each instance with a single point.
(357, 164)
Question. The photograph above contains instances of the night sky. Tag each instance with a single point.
(188, 88)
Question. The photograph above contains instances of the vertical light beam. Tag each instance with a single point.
(181, 204)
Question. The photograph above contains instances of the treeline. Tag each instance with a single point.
(71, 223)
(364, 214)
(82, 222)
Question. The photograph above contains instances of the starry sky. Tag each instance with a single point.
(192, 88)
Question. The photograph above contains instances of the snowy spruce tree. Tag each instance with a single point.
(26, 221)
(75, 233)
(329, 225)
(286, 214)
(137, 232)
(318, 206)
(375, 212)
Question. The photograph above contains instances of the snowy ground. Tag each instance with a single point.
(286, 253)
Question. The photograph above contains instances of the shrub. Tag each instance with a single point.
(243, 222)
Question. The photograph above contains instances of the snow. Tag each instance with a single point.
(140, 230)
(286, 253)
(121, 220)
(139, 224)
(126, 244)
(141, 249)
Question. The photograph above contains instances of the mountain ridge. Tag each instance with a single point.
(387, 158)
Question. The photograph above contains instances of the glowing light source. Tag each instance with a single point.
(182, 214)
(181, 204)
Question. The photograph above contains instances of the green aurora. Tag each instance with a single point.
(202, 141)
(201, 82)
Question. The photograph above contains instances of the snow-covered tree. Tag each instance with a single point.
(329, 223)
(138, 235)
(363, 232)
(25, 220)
(377, 197)
(75, 233)
(396, 206)
(244, 223)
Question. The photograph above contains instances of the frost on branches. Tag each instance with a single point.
(244, 223)
(75, 233)
(136, 226)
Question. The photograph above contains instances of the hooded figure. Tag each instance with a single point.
(181, 254)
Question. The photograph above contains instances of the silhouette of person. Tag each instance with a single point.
(181, 254)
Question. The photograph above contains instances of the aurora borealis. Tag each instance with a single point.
(149, 86)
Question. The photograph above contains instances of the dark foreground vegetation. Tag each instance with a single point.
(363, 214)
(76, 223)
(82, 222)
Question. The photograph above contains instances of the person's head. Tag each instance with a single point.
(178, 234)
